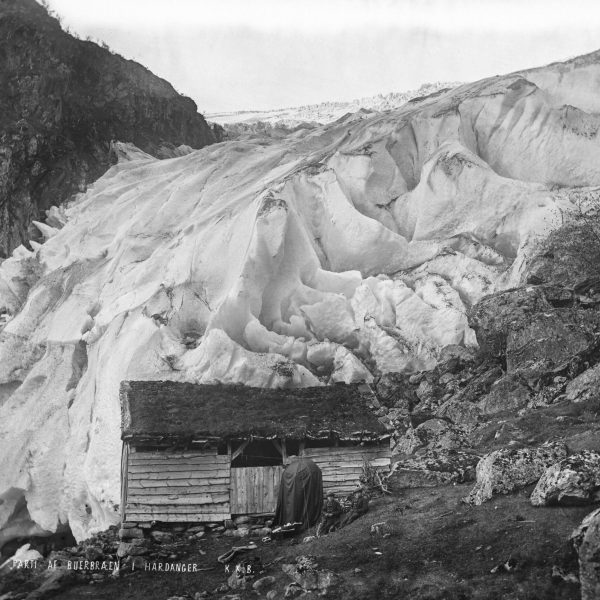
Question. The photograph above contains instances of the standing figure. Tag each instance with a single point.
(330, 515)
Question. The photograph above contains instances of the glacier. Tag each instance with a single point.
(335, 254)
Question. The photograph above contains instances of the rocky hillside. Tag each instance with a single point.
(62, 101)
(340, 253)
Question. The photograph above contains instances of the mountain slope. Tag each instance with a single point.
(334, 254)
(62, 101)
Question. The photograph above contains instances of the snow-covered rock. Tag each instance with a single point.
(333, 254)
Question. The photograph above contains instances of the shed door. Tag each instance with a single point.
(254, 489)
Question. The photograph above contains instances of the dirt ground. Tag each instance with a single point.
(436, 548)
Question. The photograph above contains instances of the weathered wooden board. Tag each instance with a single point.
(177, 499)
(177, 509)
(181, 462)
(168, 454)
(176, 485)
(133, 517)
(254, 489)
(172, 475)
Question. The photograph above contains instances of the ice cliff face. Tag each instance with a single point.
(334, 254)
(324, 112)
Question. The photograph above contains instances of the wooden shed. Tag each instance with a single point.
(202, 453)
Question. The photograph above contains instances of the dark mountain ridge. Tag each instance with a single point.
(62, 101)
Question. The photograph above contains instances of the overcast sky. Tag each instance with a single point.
(258, 54)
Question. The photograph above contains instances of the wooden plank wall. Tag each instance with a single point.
(178, 486)
(342, 465)
(254, 489)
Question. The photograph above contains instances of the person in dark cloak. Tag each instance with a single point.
(300, 498)
(330, 517)
(360, 507)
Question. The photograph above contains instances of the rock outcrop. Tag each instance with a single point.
(536, 330)
(62, 101)
(504, 471)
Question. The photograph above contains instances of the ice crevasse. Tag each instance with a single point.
(333, 255)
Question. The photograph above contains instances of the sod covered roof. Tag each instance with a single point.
(162, 411)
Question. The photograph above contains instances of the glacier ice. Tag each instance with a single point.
(334, 254)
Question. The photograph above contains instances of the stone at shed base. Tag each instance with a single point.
(129, 533)
(162, 537)
(573, 481)
(506, 470)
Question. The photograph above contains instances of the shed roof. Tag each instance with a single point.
(162, 411)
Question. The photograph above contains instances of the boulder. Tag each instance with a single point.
(465, 414)
(585, 386)
(549, 341)
(503, 471)
(574, 480)
(507, 394)
(586, 539)
(434, 434)
(433, 469)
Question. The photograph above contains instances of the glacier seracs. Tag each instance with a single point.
(335, 254)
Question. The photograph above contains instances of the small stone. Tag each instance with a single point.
(241, 532)
(415, 379)
(263, 584)
(93, 553)
(200, 595)
(196, 529)
(162, 537)
(292, 590)
(357, 571)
